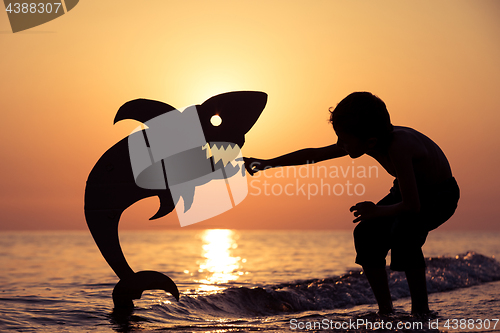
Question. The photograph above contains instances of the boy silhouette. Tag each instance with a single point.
(423, 197)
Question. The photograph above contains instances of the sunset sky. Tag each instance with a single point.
(436, 64)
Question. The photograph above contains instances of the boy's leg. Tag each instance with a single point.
(418, 290)
(407, 256)
(377, 277)
(440, 204)
(371, 240)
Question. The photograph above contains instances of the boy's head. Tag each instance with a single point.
(362, 116)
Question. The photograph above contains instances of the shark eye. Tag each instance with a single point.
(216, 120)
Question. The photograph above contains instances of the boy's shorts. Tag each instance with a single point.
(404, 234)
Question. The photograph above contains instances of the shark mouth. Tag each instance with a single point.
(191, 164)
(203, 164)
(222, 153)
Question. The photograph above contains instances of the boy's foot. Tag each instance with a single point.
(425, 314)
(385, 313)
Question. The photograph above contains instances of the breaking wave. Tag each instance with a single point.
(350, 289)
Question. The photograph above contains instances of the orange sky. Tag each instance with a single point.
(435, 64)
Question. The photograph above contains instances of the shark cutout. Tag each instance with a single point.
(112, 185)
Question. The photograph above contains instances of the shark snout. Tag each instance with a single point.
(236, 113)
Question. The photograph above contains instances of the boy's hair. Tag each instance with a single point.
(363, 115)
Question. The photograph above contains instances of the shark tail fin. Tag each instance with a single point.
(132, 287)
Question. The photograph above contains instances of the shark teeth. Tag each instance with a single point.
(222, 151)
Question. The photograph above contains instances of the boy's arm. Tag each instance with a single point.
(299, 157)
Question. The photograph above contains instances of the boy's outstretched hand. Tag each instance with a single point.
(364, 210)
(254, 164)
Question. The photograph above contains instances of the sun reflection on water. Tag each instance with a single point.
(219, 265)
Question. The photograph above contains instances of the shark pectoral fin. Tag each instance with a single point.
(188, 201)
(166, 206)
(187, 193)
(133, 286)
(142, 110)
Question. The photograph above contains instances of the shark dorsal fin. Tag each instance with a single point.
(142, 110)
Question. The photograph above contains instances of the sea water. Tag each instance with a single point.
(233, 280)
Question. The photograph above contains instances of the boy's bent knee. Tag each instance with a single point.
(372, 242)
(358, 231)
(370, 229)
(363, 230)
